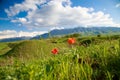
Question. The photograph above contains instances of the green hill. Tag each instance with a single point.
(90, 58)
(31, 49)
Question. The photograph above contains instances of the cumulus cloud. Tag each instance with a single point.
(13, 33)
(58, 28)
(117, 5)
(60, 13)
(21, 20)
(27, 5)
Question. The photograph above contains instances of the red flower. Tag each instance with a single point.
(71, 40)
(55, 51)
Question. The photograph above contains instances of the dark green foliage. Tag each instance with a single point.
(113, 65)
(12, 45)
(99, 35)
(86, 42)
(73, 35)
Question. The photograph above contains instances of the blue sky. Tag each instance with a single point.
(32, 17)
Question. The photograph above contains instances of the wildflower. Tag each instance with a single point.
(55, 51)
(71, 40)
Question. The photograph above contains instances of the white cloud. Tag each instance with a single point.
(58, 28)
(51, 13)
(117, 5)
(7, 34)
(27, 5)
(30, 34)
(21, 20)
(13, 33)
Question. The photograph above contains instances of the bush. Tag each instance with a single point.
(73, 35)
(86, 42)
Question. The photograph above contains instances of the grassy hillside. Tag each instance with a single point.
(90, 58)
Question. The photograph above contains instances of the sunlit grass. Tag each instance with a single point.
(33, 60)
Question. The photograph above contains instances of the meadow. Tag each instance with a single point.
(89, 58)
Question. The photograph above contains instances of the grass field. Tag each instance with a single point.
(90, 58)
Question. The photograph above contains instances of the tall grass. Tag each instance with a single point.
(99, 61)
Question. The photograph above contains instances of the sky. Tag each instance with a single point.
(33, 17)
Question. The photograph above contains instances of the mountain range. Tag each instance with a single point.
(61, 32)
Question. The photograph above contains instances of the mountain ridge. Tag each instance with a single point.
(94, 30)
(62, 32)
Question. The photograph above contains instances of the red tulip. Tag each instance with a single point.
(55, 51)
(71, 40)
